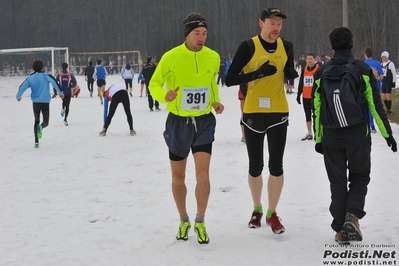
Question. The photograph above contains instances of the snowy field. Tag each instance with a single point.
(81, 199)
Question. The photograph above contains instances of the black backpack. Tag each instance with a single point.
(343, 102)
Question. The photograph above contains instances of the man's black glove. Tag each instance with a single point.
(319, 148)
(393, 85)
(392, 143)
(264, 70)
(298, 99)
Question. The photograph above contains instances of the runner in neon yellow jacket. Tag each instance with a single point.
(190, 78)
(189, 71)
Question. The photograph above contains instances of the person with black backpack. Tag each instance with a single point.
(343, 90)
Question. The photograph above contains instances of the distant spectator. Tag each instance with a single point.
(389, 80)
(148, 71)
(100, 73)
(141, 80)
(128, 75)
(89, 71)
(222, 71)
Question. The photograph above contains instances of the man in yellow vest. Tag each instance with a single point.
(265, 59)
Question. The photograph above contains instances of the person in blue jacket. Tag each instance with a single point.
(379, 75)
(67, 82)
(141, 80)
(40, 95)
(100, 74)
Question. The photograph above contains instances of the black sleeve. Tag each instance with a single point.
(289, 69)
(300, 85)
(55, 79)
(242, 56)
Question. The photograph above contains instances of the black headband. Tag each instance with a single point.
(189, 26)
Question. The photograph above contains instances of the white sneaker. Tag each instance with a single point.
(132, 133)
(307, 137)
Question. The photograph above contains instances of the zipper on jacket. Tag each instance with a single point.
(196, 63)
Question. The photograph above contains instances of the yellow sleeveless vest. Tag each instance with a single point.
(266, 95)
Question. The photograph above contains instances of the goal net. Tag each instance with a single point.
(16, 65)
(113, 61)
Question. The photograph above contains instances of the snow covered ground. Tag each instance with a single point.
(81, 199)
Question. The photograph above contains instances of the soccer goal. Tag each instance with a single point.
(113, 61)
(16, 65)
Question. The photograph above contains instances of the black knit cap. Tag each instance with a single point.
(341, 38)
(271, 12)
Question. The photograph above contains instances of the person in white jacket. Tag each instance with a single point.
(128, 75)
(389, 80)
(116, 94)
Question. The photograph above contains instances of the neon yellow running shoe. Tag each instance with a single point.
(200, 230)
(184, 227)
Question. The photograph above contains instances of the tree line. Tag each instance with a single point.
(155, 26)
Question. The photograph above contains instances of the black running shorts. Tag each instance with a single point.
(183, 133)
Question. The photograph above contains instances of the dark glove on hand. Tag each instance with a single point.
(319, 148)
(298, 99)
(393, 85)
(392, 143)
(264, 70)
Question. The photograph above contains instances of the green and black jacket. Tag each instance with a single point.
(357, 134)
